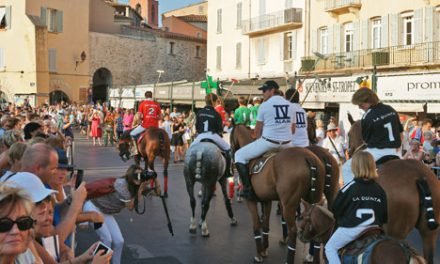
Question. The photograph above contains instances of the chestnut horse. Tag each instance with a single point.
(317, 223)
(291, 175)
(409, 206)
(155, 142)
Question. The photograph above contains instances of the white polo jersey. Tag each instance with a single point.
(277, 115)
(301, 137)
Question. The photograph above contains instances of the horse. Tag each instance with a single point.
(290, 175)
(153, 142)
(402, 180)
(205, 163)
(317, 223)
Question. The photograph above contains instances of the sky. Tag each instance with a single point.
(167, 5)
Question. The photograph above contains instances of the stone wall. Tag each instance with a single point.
(134, 57)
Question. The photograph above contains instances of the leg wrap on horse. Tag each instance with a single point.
(265, 238)
(328, 176)
(313, 180)
(258, 241)
(284, 227)
(291, 248)
(426, 200)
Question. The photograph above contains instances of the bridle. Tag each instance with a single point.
(308, 217)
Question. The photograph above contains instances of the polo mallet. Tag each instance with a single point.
(170, 226)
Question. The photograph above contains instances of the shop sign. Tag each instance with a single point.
(335, 90)
(409, 87)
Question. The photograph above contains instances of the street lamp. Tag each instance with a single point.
(319, 57)
(157, 82)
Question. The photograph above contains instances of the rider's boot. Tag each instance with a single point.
(134, 147)
(228, 164)
(243, 171)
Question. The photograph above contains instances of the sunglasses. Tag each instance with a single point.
(23, 223)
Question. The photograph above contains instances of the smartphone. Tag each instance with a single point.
(79, 178)
(102, 246)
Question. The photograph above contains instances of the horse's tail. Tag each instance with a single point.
(199, 155)
(314, 194)
(426, 202)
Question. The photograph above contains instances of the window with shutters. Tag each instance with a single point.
(348, 37)
(198, 51)
(52, 60)
(238, 55)
(288, 46)
(407, 22)
(5, 17)
(376, 27)
(219, 21)
(54, 20)
(239, 14)
(323, 40)
(171, 48)
(2, 59)
(261, 49)
(219, 58)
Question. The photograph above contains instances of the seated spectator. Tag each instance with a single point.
(429, 159)
(414, 151)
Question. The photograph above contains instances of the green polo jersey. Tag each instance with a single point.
(242, 116)
(254, 113)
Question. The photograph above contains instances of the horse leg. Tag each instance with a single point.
(192, 200)
(429, 238)
(253, 209)
(165, 176)
(222, 182)
(206, 198)
(267, 208)
(292, 231)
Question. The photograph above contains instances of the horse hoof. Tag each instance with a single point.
(283, 241)
(258, 259)
(264, 253)
(193, 231)
(205, 235)
(234, 222)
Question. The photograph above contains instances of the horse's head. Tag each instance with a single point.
(355, 137)
(315, 223)
(123, 145)
(241, 135)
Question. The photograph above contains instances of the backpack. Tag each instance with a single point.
(100, 188)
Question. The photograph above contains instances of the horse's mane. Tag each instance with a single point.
(324, 211)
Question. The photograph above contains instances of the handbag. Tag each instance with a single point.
(100, 188)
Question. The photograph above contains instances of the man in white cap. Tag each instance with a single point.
(335, 143)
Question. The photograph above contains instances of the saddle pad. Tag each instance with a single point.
(259, 163)
(361, 258)
(139, 140)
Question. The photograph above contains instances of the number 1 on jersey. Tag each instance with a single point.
(390, 131)
(205, 126)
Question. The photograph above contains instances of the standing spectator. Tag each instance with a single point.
(311, 127)
(419, 132)
(335, 144)
(96, 132)
(254, 111)
(427, 144)
(414, 151)
(177, 129)
(128, 119)
(300, 137)
(166, 125)
(242, 115)
(174, 114)
(220, 110)
(109, 124)
(320, 132)
(119, 124)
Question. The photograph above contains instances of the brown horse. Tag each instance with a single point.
(155, 142)
(409, 205)
(291, 175)
(317, 223)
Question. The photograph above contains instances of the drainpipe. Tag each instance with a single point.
(249, 41)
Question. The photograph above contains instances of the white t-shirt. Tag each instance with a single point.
(339, 144)
(277, 115)
(320, 133)
(300, 138)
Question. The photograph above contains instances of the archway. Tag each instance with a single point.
(57, 96)
(102, 80)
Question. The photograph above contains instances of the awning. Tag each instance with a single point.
(407, 107)
(433, 108)
(313, 105)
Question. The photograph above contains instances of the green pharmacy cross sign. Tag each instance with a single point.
(209, 84)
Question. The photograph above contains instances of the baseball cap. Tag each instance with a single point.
(31, 184)
(63, 161)
(269, 85)
(331, 126)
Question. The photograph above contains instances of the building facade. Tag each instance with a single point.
(255, 39)
(392, 47)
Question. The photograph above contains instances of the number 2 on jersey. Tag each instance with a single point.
(390, 131)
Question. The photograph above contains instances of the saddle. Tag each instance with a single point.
(257, 164)
(359, 251)
(385, 159)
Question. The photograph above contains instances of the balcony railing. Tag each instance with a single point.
(397, 56)
(285, 19)
(342, 6)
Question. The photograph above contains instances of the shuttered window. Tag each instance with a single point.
(348, 37)
(376, 27)
(238, 55)
(408, 34)
(198, 52)
(52, 60)
(5, 17)
(239, 14)
(323, 40)
(261, 51)
(219, 58)
(219, 21)
(53, 19)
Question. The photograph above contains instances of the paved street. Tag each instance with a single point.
(147, 239)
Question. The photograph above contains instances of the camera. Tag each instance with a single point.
(145, 175)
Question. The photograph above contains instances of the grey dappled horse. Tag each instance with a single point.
(205, 163)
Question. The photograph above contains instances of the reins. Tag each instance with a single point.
(359, 148)
(329, 229)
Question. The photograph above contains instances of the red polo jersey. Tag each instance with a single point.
(150, 111)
